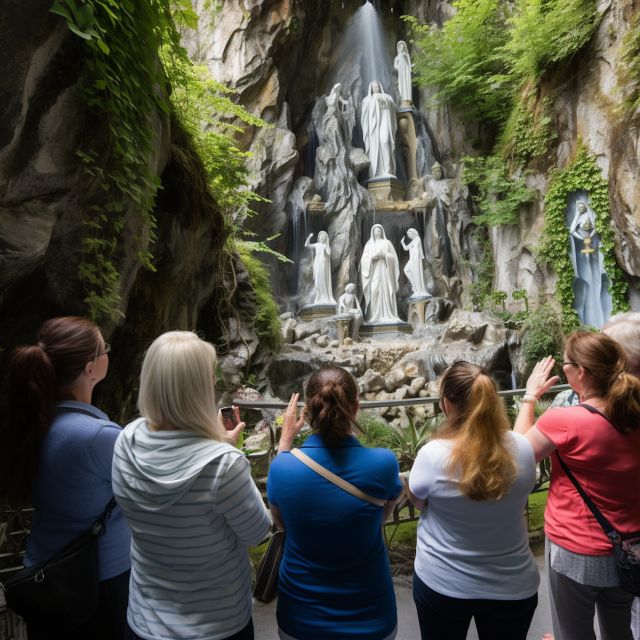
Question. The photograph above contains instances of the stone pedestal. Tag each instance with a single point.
(343, 326)
(315, 206)
(386, 189)
(417, 306)
(388, 331)
(315, 311)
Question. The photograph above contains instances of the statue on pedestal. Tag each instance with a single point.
(348, 304)
(592, 300)
(379, 274)
(414, 267)
(402, 65)
(321, 268)
(379, 125)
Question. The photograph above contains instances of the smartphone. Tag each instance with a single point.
(229, 420)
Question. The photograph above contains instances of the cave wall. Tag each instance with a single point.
(43, 121)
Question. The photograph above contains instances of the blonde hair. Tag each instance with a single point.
(177, 384)
(625, 328)
(480, 455)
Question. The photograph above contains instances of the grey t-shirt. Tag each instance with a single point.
(468, 548)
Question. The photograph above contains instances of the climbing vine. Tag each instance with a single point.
(582, 173)
(631, 63)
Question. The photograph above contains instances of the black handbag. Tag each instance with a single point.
(63, 590)
(626, 547)
(269, 568)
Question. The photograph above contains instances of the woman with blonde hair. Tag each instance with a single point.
(599, 443)
(190, 501)
(472, 481)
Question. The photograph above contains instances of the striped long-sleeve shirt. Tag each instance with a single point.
(193, 509)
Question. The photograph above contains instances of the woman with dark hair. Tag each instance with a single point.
(335, 580)
(599, 441)
(57, 451)
(472, 482)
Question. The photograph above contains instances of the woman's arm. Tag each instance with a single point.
(291, 424)
(541, 445)
(538, 384)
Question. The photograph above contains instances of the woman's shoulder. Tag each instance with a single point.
(84, 418)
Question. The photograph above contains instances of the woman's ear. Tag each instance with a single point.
(88, 370)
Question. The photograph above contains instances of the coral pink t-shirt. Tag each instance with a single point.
(607, 465)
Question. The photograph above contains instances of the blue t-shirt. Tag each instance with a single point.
(335, 579)
(73, 487)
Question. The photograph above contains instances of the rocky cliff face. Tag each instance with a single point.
(43, 211)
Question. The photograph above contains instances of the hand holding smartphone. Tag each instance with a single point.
(230, 417)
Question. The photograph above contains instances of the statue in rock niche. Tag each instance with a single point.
(321, 268)
(348, 304)
(402, 65)
(379, 126)
(338, 120)
(414, 268)
(379, 275)
(592, 300)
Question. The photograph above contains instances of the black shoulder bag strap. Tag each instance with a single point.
(613, 535)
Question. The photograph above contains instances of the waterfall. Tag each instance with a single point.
(425, 156)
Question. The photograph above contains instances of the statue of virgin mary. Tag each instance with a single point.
(379, 275)
(379, 126)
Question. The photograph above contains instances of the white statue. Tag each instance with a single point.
(321, 268)
(348, 304)
(379, 130)
(379, 275)
(413, 269)
(402, 65)
(592, 300)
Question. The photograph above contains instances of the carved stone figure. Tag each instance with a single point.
(592, 300)
(379, 126)
(348, 304)
(321, 268)
(414, 267)
(379, 275)
(436, 171)
(402, 65)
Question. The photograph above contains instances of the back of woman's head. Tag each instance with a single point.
(332, 403)
(625, 328)
(38, 375)
(606, 365)
(177, 385)
(479, 455)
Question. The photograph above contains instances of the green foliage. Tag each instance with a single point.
(498, 196)
(267, 319)
(521, 294)
(498, 298)
(463, 61)
(484, 273)
(631, 62)
(405, 442)
(582, 173)
(544, 32)
(542, 335)
(527, 133)
(374, 431)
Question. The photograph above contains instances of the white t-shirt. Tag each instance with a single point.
(467, 548)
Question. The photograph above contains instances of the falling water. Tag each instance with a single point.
(425, 156)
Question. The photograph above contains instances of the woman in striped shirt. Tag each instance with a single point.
(190, 501)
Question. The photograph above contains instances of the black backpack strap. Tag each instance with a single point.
(99, 525)
(602, 521)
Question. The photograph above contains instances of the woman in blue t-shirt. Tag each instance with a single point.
(335, 581)
(57, 450)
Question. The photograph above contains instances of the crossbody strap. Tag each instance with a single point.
(337, 480)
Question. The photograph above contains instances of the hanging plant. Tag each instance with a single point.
(581, 174)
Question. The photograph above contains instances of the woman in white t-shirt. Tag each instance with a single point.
(472, 482)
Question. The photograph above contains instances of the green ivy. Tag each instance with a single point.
(542, 335)
(582, 173)
(484, 273)
(527, 134)
(498, 196)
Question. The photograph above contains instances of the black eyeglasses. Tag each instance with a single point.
(107, 348)
(575, 364)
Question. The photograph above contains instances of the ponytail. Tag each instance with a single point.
(38, 375)
(623, 402)
(332, 402)
(28, 414)
(480, 458)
